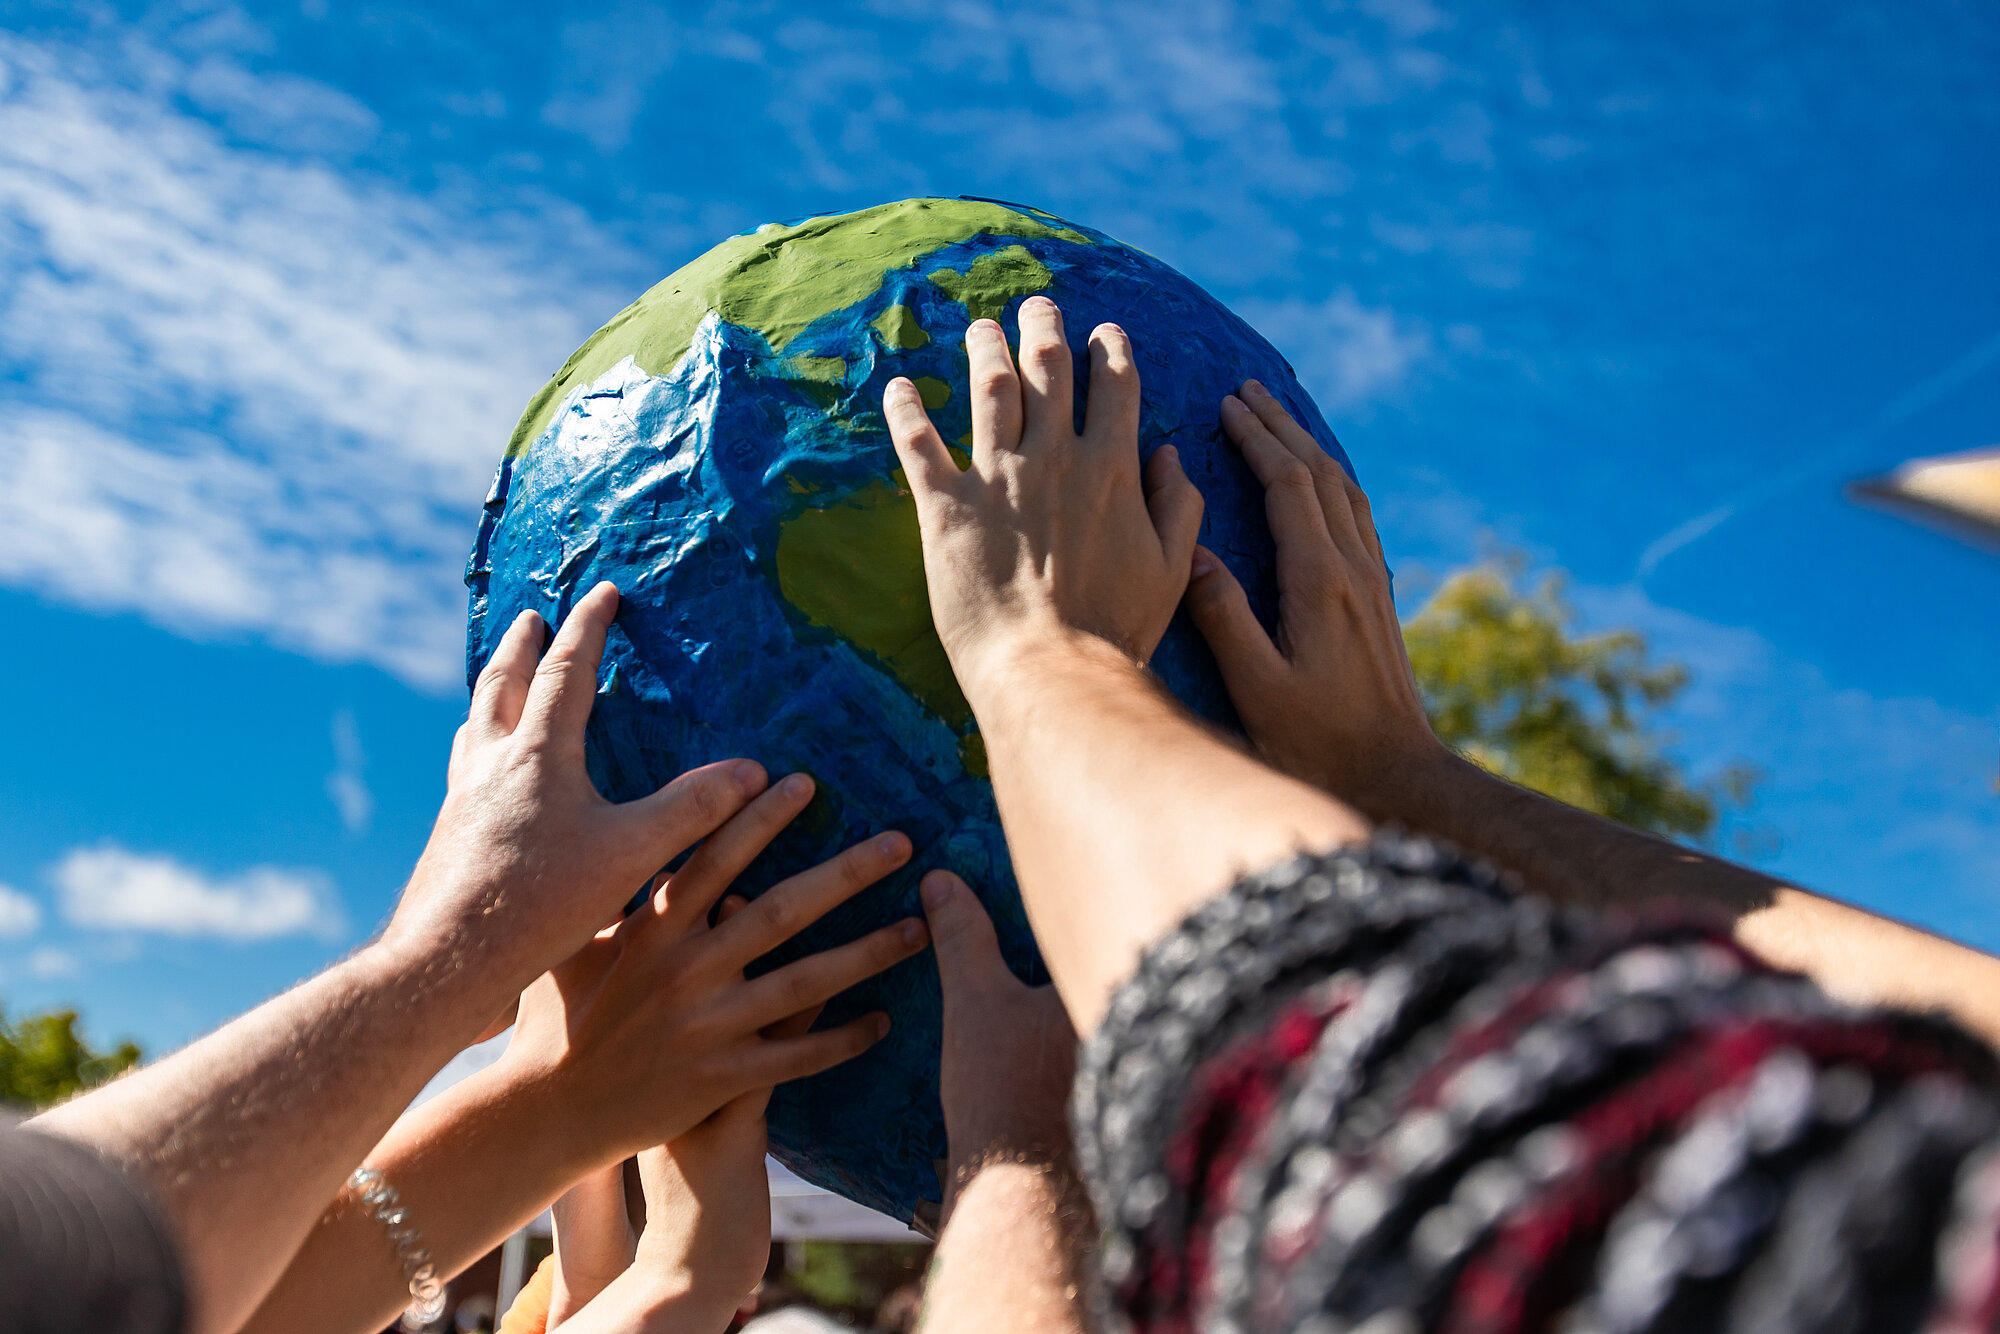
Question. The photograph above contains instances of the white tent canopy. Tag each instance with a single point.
(800, 1211)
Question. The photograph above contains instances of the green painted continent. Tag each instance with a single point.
(777, 281)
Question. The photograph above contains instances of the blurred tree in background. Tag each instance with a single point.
(43, 1059)
(1510, 686)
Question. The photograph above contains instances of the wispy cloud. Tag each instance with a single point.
(108, 888)
(1345, 353)
(1885, 800)
(346, 786)
(19, 914)
(49, 962)
(252, 393)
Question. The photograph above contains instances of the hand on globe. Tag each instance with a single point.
(1009, 1054)
(1332, 702)
(653, 1026)
(1048, 532)
(527, 860)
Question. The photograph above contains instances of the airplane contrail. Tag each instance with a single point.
(1841, 452)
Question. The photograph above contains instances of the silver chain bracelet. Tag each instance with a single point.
(385, 1204)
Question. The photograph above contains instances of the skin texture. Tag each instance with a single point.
(1332, 702)
(1053, 571)
(243, 1137)
(1011, 1257)
(636, 1039)
(679, 1237)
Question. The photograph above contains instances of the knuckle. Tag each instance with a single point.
(1294, 477)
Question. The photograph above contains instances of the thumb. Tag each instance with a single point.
(967, 947)
(1220, 609)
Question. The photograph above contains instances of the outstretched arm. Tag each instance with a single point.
(648, 1030)
(1338, 708)
(1053, 571)
(243, 1137)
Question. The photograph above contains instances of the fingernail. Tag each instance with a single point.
(913, 932)
(749, 776)
(1256, 387)
(934, 891)
(1204, 563)
(892, 845)
(1231, 401)
(798, 785)
(881, 1026)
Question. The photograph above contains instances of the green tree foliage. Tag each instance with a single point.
(43, 1059)
(1512, 687)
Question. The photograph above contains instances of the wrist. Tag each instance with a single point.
(994, 670)
(448, 999)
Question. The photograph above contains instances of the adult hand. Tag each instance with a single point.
(1332, 701)
(527, 859)
(1009, 1055)
(1048, 531)
(652, 1026)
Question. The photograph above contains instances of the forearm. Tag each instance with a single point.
(469, 1167)
(1576, 857)
(332, 1062)
(1011, 1257)
(1122, 813)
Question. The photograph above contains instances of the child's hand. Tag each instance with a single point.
(704, 1233)
(1048, 532)
(652, 1026)
(1332, 703)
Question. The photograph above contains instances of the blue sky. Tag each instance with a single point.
(1583, 281)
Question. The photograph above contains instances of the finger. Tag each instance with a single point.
(968, 951)
(1175, 504)
(502, 687)
(565, 686)
(1220, 609)
(1047, 393)
(731, 905)
(920, 449)
(1111, 417)
(996, 393)
(772, 1063)
(790, 906)
(1330, 480)
(1364, 519)
(795, 1025)
(691, 891)
(818, 978)
(1291, 497)
(693, 806)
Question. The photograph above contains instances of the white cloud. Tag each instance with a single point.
(107, 888)
(252, 393)
(1344, 352)
(346, 786)
(19, 914)
(50, 962)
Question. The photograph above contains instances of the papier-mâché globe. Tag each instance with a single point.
(718, 451)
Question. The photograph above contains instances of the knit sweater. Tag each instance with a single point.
(1379, 1091)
